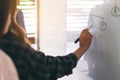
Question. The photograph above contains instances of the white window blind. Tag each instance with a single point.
(30, 15)
(78, 12)
(30, 11)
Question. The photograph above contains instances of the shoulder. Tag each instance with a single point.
(7, 72)
(20, 12)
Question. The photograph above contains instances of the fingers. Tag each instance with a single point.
(86, 31)
(89, 35)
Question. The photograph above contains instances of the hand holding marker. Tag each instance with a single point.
(76, 41)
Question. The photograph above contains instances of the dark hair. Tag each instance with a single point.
(6, 7)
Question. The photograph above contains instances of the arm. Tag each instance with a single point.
(31, 63)
(85, 41)
(60, 66)
(55, 67)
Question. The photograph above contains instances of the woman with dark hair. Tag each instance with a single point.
(32, 64)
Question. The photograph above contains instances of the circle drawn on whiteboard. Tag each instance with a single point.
(115, 11)
(103, 26)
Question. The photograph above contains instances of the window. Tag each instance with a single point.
(78, 12)
(29, 8)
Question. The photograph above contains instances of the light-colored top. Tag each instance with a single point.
(7, 67)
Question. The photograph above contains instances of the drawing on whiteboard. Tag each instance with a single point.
(102, 24)
(115, 10)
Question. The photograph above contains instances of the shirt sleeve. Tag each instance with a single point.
(57, 67)
(34, 65)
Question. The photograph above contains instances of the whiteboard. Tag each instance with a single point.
(103, 56)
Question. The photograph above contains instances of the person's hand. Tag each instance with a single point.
(85, 39)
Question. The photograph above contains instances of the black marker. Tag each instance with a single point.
(76, 40)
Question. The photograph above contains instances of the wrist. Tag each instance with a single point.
(79, 52)
(84, 49)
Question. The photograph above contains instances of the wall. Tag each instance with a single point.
(53, 27)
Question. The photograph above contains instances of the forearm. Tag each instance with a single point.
(79, 52)
(85, 41)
